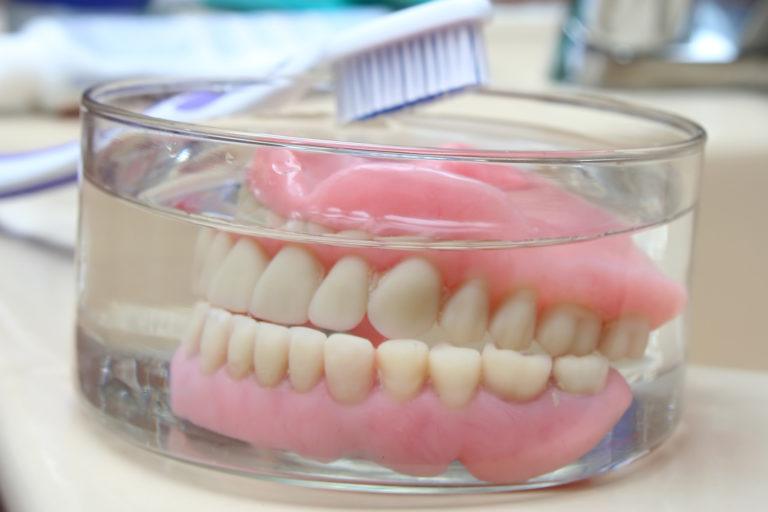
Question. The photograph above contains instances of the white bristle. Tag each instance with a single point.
(410, 71)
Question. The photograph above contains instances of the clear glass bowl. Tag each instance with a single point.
(484, 293)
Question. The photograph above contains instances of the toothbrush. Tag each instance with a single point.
(392, 62)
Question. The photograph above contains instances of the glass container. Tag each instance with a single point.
(487, 292)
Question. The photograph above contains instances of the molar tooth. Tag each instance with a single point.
(625, 337)
(349, 367)
(402, 367)
(213, 342)
(232, 284)
(217, 251)
(514, 376)
(465, 315)
(191, 338)
(340, 301)
(514, 321)
(406, 301)
(305, 358)
(284, 290)
(583, 375)
(455, 374)
(569, 328)
(270, 354)
(241, 342)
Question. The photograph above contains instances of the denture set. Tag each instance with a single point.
(419, 356)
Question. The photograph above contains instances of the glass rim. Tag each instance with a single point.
(693, 134)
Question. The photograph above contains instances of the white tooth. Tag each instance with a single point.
(213, 342)
(270, 354)
(568, 328)
(435, 336)
(582, 375)
(305, 358)
(406, 301)
(465, 315)
(191, 338)
(202, 244)
(403, 366)
(514, 376)
(394, 239)
(217, 251)
(270, 219)
(317, 229)
(296, 226)
(455, 374)
(241, 343)
(340, 301)
(514, 321)
(625, 337)
(248, 207)
(349, 367)
(232, 284)
(283, 292)
(587, 333)
(354, 234)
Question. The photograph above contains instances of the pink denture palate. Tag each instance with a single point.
(419, 356)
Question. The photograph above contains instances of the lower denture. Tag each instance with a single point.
(496, 440)
(504, 410)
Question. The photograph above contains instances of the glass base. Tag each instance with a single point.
(129, 392)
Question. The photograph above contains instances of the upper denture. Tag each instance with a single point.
(606, 276)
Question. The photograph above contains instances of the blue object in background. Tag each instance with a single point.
(22, 11)
(90, 5)
(305, 4)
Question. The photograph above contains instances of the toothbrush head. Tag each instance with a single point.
(409, 57)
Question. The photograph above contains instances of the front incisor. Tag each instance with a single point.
(232, 283)
(513, 376)
(403, 367)
(270, 354)
(349, 367)
(285, 289)
(213, 341)
(455, 374)
(241, 343)
(305, 358)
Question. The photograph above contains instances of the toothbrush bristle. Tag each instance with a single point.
(411, 71)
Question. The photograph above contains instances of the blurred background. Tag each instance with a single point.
(704, 59)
